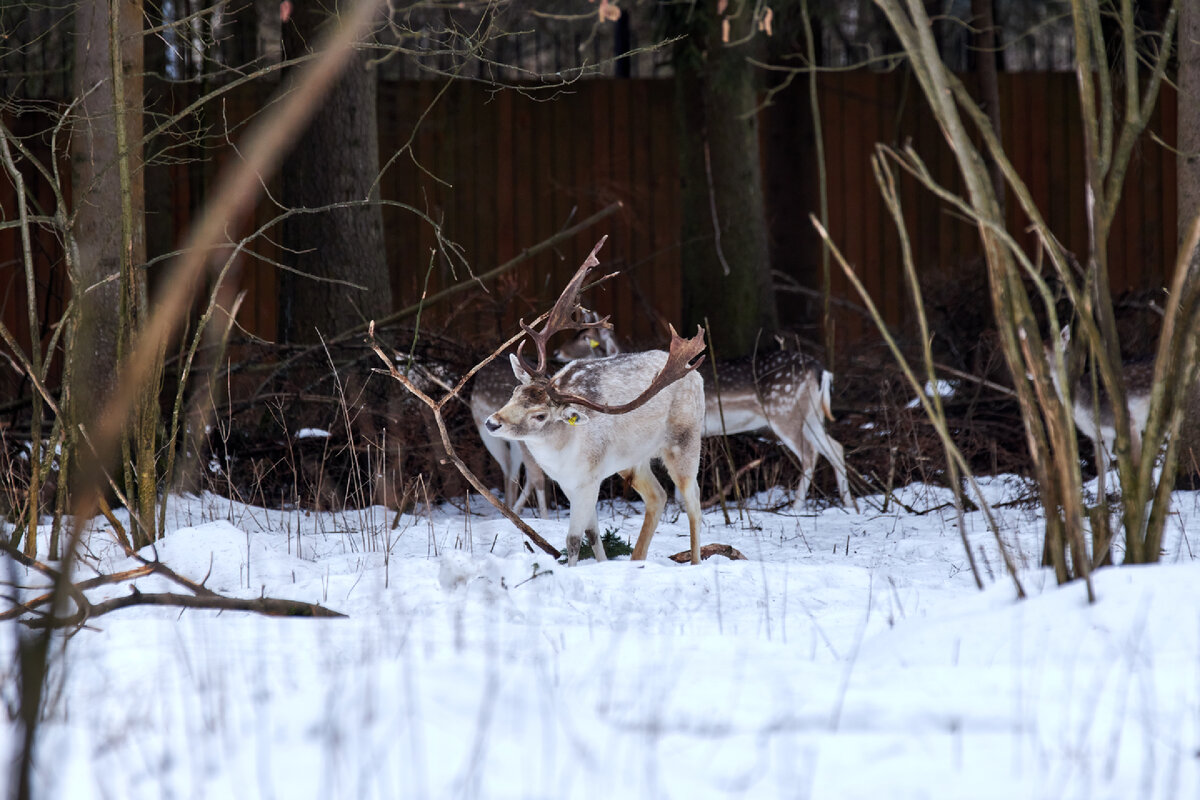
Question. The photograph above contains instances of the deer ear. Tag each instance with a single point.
(609, 342)
(572, 415)
(519, 370)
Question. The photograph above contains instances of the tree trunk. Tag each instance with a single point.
(335, 161)
(109, 228)
(1188, 163)
(726, 260)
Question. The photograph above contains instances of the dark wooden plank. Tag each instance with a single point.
(406, 183)
(484, 211)
(1040, 167)
(602, 186)
(853, 240)
(945, 170)
(1170, 188)
(644, 305)
(1055, 212)
(1077, 231)
(506, 246)
(664, 192)
(911, 191)
(562, 193)
(428, 197)
(524, 200)
(830, 101)
(551, 271)
(1019, 145)
(464, 180)
(583, 167)
(928, 144)
(1148, 270)
(880, 275)
(623, 182)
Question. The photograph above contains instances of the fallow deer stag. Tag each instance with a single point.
(492, 387)
(647, 405)
(786, 392)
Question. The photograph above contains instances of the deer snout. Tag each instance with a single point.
(491, 424)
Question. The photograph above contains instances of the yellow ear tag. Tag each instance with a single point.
(593, 343)
(571, 420)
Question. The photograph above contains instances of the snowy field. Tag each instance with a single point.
(850, 656)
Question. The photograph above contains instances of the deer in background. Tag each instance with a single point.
(786, 392)
(597, 417)
(490, 390)
(1094, 415)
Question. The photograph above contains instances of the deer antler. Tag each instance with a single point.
(562, 316)
(679, 363)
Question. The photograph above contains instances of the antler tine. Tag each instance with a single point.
(562, 315)
(590, 319)
(679, 363)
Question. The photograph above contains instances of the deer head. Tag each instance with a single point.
(595, 341)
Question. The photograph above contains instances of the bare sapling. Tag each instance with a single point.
(785, 392)
(646, 406)
(1109, 141)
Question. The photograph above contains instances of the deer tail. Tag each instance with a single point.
(826, 383)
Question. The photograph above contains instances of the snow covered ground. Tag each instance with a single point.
(850, 656)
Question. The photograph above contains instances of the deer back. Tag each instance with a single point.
(491, 388)
(745, 392)
(567, 439)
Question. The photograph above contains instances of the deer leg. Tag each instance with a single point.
(833, 452)
(689, 493)
(535, 477)
(644, 483)
(499, 450)
(683, 469)
(808, 462)
(583, 515)
(512, 477)
(593, 536)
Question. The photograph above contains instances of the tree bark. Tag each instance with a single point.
(1188, 163)
(726, 260)
(336, 160)
(109, 279)
(96, 183)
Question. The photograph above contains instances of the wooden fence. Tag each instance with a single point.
(501, 171)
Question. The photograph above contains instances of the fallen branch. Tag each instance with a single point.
(86, 610)
(715, 549)
(268, 606)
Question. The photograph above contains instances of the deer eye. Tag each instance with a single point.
(540, 416)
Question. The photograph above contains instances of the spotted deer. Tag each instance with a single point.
(1094, 415)
(491, 389)
(596, 417)
(785, 392)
